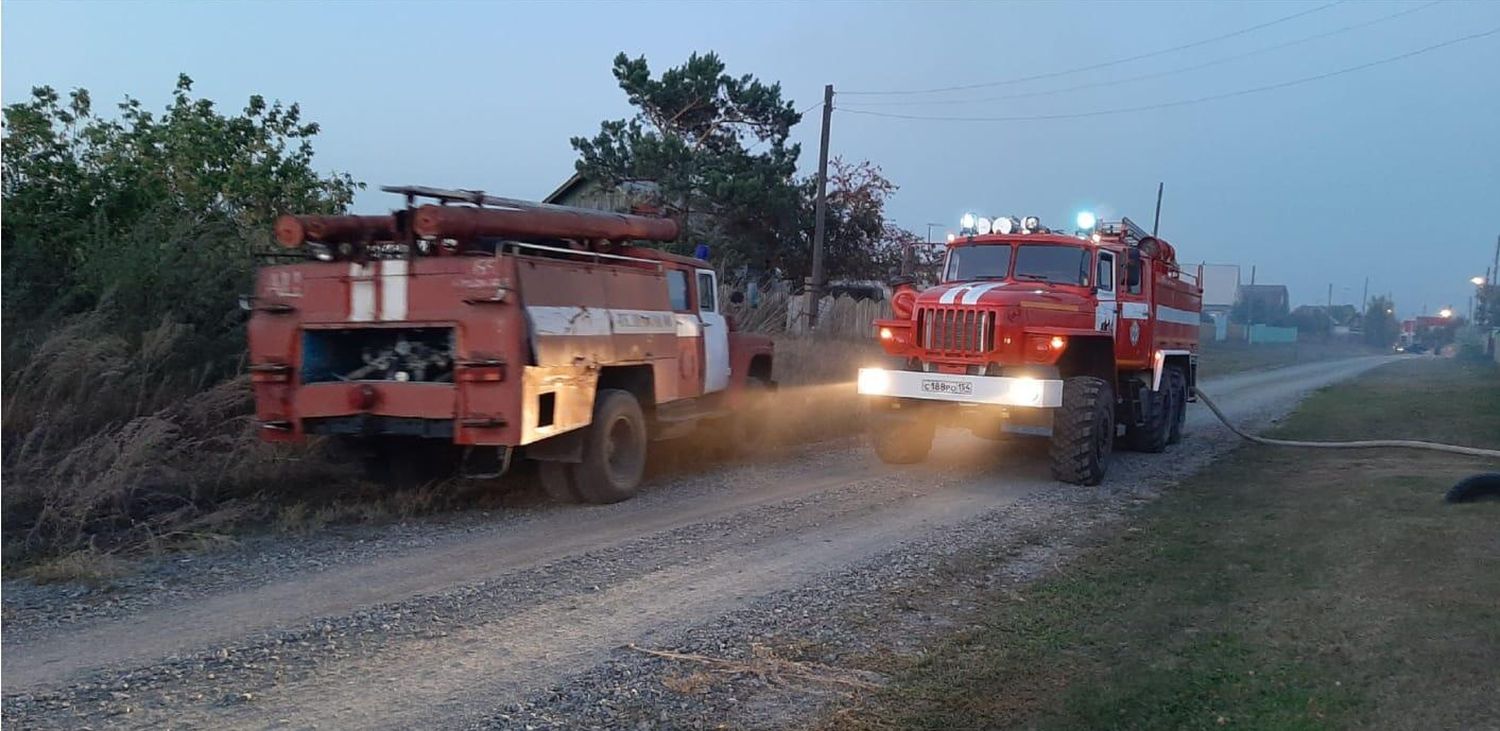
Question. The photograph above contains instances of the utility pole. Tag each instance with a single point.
(1496, 266)
(1156, 222)
(815, 291)
(1330, 299)
(1365, 301)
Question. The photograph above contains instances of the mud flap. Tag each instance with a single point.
(561, 448)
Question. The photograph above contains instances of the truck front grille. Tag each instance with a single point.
(956, 331)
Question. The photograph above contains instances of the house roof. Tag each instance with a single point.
(573, 181)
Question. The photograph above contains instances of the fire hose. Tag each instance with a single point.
(1364, 444)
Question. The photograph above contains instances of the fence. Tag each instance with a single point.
(783, 312)
(1269, 334)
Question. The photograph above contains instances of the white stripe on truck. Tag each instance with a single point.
(361, 292)
(1176, 316)
(583, 321)
(393, 283)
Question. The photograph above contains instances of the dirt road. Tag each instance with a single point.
(488, 626)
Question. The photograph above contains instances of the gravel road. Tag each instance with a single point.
(775, 583)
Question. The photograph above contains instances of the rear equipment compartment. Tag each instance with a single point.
(404, 354)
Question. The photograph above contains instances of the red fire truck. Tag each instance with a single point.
(1068, 335)
(488, 324)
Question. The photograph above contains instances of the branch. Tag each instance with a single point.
(766, 664)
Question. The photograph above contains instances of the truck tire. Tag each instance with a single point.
(1083, 431)
(902, 439)
(1178, 388)
(1151, 436)
(614, 450)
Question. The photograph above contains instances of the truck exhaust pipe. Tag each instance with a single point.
(550, 222)
(294, 231)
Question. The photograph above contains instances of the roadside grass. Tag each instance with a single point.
(1286, 589)
(88, 566)
(1222, 358)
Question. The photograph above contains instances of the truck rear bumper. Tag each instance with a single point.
(998, 390)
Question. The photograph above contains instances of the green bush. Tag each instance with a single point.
(126, 239)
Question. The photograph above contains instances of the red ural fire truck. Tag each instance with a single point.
(487, 324)
(1071, 336)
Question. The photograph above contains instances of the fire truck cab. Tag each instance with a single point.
(487, 325)
(1074, 336)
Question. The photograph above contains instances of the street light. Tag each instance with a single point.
(1476, 281)
(1445, 313)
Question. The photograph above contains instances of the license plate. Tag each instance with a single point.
(956, 388)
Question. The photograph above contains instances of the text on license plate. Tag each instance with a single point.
(957, 388)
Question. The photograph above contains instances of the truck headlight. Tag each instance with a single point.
(874, 381)
(1026, 391)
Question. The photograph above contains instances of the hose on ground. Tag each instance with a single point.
(1366, 444)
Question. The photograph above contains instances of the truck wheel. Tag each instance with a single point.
(1083, 431)
(1178, 389)
(1152, 436)
(614, 449)
(902, 439)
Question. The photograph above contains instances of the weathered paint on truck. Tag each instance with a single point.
(493, 340)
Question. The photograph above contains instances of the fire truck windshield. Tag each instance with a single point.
(982, 261)
(1053, 263)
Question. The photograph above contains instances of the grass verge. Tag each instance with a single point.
(1278, 589)
(1223, 358)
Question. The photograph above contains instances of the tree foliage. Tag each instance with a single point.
(1380, 326)
(860, 243)
(713, 150)
(1487, 305)
(158, 214)
(691, 138)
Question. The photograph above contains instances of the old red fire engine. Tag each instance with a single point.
(492, 324)
(1042, 332)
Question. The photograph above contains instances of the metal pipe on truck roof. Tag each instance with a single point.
(553, 222)
(294, 231)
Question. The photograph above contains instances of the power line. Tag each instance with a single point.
(1103, 64)
(1158, 74)
(1184, 102)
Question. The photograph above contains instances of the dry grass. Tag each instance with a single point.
(109, 448)
(87, 567)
